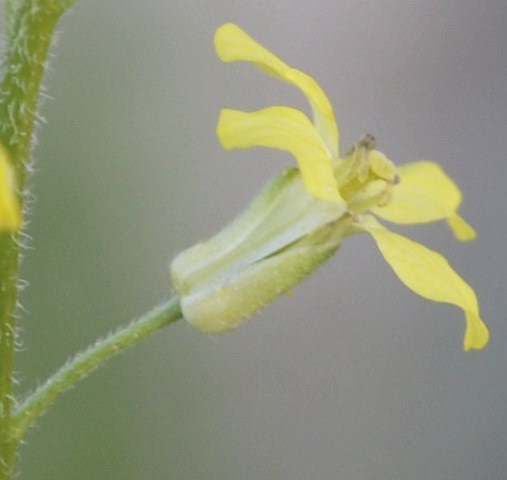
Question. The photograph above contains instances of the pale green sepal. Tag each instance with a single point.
(228, 302)
(284, 216)
(280, 215)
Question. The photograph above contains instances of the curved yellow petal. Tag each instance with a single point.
(428, 274)
(10, 215)
(232, 44)
(285, 129)
(425, 194)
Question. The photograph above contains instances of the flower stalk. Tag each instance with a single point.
(85, 362)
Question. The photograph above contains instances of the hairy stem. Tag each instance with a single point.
(29, 27)
(83, 363)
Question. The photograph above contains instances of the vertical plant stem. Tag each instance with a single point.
(8, 278)
(29, 27)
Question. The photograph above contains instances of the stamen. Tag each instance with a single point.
(368, 141)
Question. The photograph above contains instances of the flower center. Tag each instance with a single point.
(366, 177)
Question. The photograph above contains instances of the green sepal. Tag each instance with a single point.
(279, 240)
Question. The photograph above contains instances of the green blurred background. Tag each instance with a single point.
(352, 378)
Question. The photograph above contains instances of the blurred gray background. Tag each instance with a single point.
(354, 377)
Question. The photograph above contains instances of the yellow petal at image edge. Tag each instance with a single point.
(232, 44)
(10, 215)
(287, 129)
(428, 274)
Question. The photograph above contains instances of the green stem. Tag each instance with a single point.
(9, 259)
(83, 363)
(29, 27)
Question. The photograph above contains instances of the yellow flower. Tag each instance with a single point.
(363, 181)
(10, 215)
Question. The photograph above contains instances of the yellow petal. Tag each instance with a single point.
(285, 129)
(462, 230)
(425, 194)
(428, 274)
(10, 215)
(232, 44)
